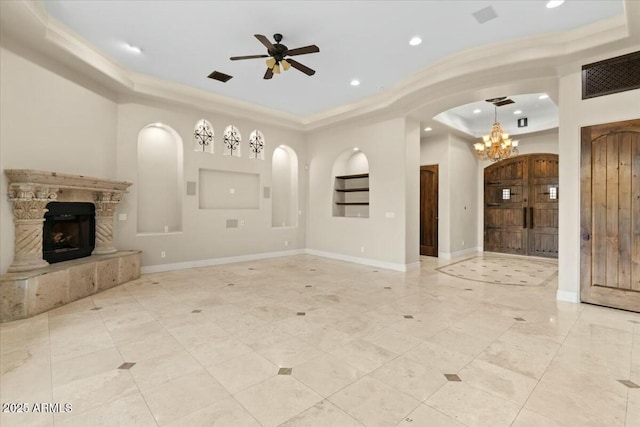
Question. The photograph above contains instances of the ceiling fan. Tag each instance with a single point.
(277, 53)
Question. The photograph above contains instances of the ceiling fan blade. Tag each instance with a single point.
(303, 50)
(295, 64)
(236, 58)
(265, 41)
(268, 74)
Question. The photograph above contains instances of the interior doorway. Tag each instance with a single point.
(610, 215)
(429, 210)
(521, 206)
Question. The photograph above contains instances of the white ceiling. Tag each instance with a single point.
(183, 41)
(541, 114)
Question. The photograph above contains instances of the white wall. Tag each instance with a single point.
(50, 123)
(204, 234)
(412, 192)
(576, 113)
(463, 198)
(159, 180)
(58, 121)
(457, 191)
(382, 238)
(282, 215)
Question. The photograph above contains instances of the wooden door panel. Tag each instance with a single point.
(544, 244)
(635, 215)
(500, 240)
(545, 166)
(504, 218)
(545, 218)
(610, 215)
(495, 195)
(527, 223)
(429, 210)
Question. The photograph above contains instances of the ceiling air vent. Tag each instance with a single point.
(612, 75)
(217, 75)
(485, 14)
(499, 102)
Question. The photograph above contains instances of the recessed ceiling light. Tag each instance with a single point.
(554, 3)
(543, 96)
(355, 82)
(428, 129)
(477, 111)
(415, 41)
(132, 48)
(517, 112)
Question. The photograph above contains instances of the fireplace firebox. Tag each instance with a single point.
(69, 231)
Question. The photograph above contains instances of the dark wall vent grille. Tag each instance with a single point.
(612, 75)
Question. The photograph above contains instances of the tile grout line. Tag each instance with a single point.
(545, 372)
(128, 370)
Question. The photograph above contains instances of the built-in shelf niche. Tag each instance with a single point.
(351, 185)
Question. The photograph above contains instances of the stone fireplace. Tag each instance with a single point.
(61, 217)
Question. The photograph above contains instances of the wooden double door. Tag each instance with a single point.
(521, 206)
(610, 215)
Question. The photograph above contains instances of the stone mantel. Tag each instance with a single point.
(30, 191)
(64, 181)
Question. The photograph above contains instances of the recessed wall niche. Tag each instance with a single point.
(284, 187)
(351, 185)
(160, 181)
(203, 136)
(231, 140)
(220, 189)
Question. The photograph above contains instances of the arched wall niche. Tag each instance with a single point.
(284, 187)
(160, 177)
(351, 184)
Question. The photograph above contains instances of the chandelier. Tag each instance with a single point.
(497, 145)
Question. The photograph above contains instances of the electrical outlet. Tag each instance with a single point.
(166, 228)
(163, 254)
(391, 215)
(463, 243)
(232, 191)
(241, 222)
(286, 243)
(362, 249)
(122, 217)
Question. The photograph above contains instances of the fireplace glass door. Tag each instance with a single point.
(69, 231)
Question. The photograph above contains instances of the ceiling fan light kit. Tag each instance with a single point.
(276, 54)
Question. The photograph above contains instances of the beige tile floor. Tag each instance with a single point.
(365, 347)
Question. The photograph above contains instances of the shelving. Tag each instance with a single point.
(351, 196)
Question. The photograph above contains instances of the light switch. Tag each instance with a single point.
(122, 217)
(232, 191)
(391, 214)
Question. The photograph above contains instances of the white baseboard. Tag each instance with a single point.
(457, 254)
(413, 266)
(568, 296)
(217, 261)
(365, 261)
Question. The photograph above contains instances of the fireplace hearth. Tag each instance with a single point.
(69, 231)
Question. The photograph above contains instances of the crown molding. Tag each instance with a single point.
(31, 24)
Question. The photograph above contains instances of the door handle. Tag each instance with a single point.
(524, 217)
(586, 236)
(530, 217)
